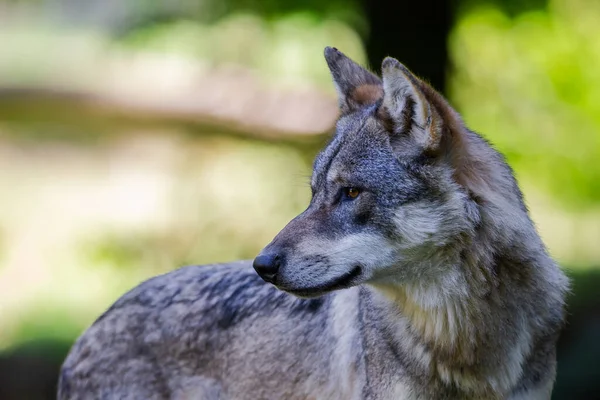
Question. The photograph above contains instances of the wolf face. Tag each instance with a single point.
(387, 202)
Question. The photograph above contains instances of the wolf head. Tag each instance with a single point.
(394, 194)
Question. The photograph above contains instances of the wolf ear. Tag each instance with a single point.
(355, 85)
(406, 108)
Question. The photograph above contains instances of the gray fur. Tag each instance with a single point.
(432, 283)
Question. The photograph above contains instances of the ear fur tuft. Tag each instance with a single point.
(407, 106)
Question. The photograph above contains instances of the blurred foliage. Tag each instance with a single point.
(509, 7)
(281, 47)
(150, 11)
(531, 83)
(129, 208)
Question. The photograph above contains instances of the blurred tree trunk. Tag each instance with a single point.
(414, 32)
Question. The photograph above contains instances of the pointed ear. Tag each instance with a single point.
(355, 85)
(406, 108)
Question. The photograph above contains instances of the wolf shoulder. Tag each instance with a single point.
(197, 300)
(196, 321)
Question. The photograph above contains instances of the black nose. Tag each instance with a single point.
(267, 265)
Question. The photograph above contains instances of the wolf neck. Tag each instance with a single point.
(452, 319)
(444, 320)
(444, 314)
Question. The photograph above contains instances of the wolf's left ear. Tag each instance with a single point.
(355, 85)
(406, 107)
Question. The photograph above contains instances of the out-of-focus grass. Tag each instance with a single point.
(85, 222)
(572, 235)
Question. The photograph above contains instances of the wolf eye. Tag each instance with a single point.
(351, 193)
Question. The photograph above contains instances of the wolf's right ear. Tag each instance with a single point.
(355, 85)
(408, 108)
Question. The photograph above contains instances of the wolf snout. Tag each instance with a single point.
(267, 265)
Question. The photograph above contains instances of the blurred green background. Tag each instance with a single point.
(139, 136)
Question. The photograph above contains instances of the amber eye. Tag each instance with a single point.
(351, 192)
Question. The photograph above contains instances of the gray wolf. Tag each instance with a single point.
(414, 273)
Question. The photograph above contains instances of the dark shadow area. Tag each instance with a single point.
(415, 32)
(579, 347)
(30, 371)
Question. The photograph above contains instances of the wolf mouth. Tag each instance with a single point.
(341, 282)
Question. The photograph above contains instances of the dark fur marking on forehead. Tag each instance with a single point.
(325, 159)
